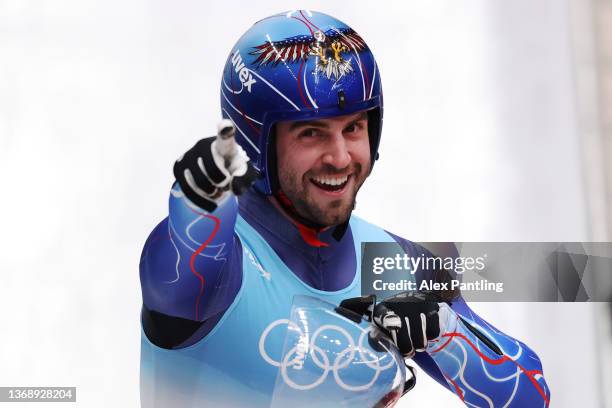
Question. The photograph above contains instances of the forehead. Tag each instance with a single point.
(326, 122)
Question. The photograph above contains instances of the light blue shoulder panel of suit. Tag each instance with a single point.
(234, 365)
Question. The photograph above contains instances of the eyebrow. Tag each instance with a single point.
(321, 124)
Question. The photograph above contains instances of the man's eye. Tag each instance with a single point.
(306, 133)
(354, 127)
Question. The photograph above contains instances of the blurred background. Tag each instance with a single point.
(498, 127)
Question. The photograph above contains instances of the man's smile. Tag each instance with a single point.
(332, 185)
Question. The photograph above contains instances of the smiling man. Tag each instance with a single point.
(334, 160)
(263, 211)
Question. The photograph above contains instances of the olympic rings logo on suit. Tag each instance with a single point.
(294, 358)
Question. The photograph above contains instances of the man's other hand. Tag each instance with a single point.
(410, 319)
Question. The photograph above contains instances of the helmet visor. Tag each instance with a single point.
(331, 361)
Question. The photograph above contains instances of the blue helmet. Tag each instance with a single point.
(297, 66)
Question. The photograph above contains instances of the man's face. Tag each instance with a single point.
(322, 164)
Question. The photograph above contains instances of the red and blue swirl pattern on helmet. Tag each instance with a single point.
(297, 66)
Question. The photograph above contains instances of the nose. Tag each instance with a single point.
(337, 151)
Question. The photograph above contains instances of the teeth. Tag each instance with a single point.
(331, 181)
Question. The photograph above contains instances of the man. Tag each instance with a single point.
(256, 222)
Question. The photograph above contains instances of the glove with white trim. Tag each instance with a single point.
(410, 319)
(214, 166)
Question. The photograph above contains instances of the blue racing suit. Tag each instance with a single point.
(217, 287)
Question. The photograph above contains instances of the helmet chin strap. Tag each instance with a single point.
(308, 229)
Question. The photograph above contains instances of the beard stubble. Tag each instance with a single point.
(334, 212)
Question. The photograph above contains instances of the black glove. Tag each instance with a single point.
(214, 166)
(410, 319)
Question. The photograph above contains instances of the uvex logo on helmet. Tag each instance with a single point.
(244, 74)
